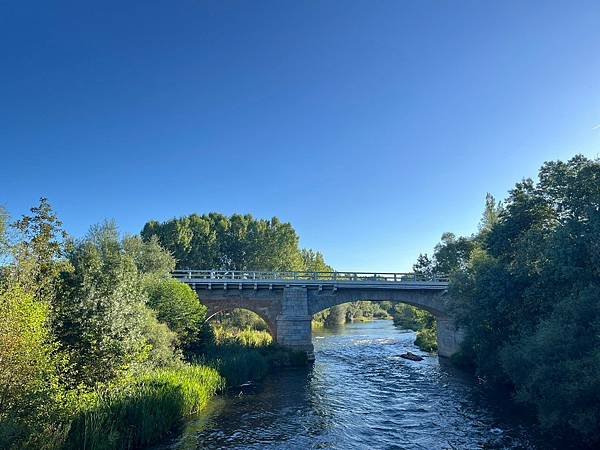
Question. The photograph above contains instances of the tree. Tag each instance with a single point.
(100, 310)
(336, 316)
(237, 242)
(3, 235)
(38, 255)
(556, 368)
(28, 369)
(149, 256)
(424, 266)
(491, 214)
(452, 253)
(529, 296)
(314, 261)
(178, 306)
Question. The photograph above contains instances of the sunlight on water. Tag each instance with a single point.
(360, 394)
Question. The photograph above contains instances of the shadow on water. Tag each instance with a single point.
(360, 394)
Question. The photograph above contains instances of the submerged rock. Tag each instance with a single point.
(411, 356)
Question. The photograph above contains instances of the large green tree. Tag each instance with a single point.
(237, 242)
(101, 315)
(529, 296)
(38, 254)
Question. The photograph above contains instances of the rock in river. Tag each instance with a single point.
(411, 356)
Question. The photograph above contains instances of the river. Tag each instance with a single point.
(361, 394)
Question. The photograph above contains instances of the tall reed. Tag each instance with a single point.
(139, 412)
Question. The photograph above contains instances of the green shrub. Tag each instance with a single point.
(140, 411)
(99, 312)
(161, 349)
(28, 372)
(177, 305)
(427, 339)
(562, 357)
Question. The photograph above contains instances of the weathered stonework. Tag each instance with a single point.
(288, 311)
(449, 336)
(294, 322)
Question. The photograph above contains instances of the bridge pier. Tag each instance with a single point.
(294, 322)
(449, 336)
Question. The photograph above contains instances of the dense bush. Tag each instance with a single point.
(178, 306)
(562, 357)
(162, 343)
(29, 388)
(406, 316)
(426, 339)
(99, 312)
(247, 355)
(528, 296)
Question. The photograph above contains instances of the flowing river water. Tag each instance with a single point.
(361, 394)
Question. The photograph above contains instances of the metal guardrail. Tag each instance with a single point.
(335, 277)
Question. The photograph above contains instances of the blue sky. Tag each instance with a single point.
(371, 126)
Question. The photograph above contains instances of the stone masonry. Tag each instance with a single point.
(288, 310)
(294, 321)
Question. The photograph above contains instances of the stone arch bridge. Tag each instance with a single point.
(287, 301)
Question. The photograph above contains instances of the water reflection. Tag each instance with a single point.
(361, 394)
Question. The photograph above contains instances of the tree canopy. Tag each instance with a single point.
(236, 242)
(528, 294)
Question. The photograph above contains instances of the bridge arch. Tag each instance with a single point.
(214, 311)
(434, 303)
(287, 301)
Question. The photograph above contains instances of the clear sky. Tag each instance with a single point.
(371, 126)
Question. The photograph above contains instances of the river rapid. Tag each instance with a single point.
(361, 394)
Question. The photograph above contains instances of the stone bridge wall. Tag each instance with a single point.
(288, 312)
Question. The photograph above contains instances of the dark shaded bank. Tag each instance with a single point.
(240, 365)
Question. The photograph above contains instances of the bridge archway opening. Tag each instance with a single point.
(379, 307)
(241, 319)
(356, 311)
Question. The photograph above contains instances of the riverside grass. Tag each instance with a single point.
(247, 337)
(247, 355)
(141, 411)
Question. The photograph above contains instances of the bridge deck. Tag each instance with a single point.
(209, 279)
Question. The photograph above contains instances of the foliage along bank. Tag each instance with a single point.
(99, 347)
(526, 289)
